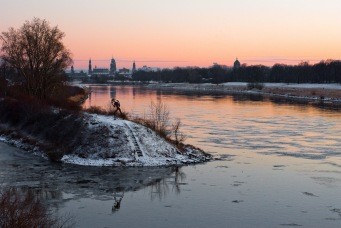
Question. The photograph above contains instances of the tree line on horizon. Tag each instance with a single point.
(323, 72)
(35, 59)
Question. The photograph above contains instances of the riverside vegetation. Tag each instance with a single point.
(23, 208)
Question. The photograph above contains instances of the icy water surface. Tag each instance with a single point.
(277, 165)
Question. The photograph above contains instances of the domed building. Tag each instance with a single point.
(236, 64)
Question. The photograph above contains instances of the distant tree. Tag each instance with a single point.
(121, 77)
(324, 72)
(194, 76)
(218, 73)
(38, 54)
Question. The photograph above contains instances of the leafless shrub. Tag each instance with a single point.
(179, 137)
(23, 209)
(156, 119)
(159, 118)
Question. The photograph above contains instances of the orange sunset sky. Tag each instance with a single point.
(169, 33)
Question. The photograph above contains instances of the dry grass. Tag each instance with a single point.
(158, 120)
(96, 110)
(77, 98)
(107, 112)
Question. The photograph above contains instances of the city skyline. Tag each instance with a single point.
(174, 33)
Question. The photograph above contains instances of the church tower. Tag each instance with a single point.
(90, 67)
(112, 67)
(134, 67)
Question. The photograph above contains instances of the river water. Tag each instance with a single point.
(276, 165)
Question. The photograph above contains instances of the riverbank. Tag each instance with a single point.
(82, 138)
(118, 142)
(325, 93)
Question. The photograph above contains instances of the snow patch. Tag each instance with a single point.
(115, 141)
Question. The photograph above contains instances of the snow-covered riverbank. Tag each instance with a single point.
(116, 142)
(330, 93)
(121, 142)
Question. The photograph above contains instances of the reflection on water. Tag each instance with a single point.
(51, 182)
(277, 164)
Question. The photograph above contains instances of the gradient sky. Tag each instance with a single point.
(168, 33)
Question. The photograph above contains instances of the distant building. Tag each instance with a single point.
(124, 72)
(90, 68)
(236, 64)
(134, 68)
(112, 67)
(100, 72)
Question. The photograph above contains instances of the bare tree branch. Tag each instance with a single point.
(37, 52)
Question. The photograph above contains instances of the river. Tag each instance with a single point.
(276, 164)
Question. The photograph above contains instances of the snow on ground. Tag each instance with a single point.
(235, 84)
(335, 86)
(305, 86)
(114, 146)
(329, 92)
(290, 85)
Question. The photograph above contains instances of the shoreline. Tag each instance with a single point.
(326, 94)
(91, 139)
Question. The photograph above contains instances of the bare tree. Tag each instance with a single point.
(36, 51)
(179, 136)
